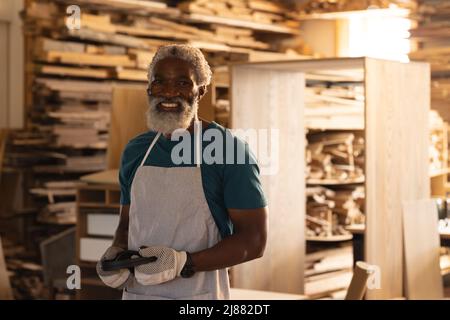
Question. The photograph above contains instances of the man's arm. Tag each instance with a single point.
(121, 236)
(246, 243)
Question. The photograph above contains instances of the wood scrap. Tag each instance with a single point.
(438, 151)
(336, 107)
(328, 272)
(335, 156)
(330, 210)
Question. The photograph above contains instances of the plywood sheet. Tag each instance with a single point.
(127, 120)
(422, 245)
(397, 105)
(265, 99)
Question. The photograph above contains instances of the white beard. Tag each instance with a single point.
(167, 122)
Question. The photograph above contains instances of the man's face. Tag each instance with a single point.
(173, 96)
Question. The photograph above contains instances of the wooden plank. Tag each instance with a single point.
(135, 5)
(180, 27)
(5, 286)
(112, 60)
(262, 99)
(266, 6)
(159, 33)
(98, 22)
(128, 107)
(131, 74)
(46, 44)
(118, 39)
(422, 250)
(143, 58)
(73, 72)
(396, 161)
(201, 18)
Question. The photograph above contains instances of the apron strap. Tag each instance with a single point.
(150, 148)
(197, 142)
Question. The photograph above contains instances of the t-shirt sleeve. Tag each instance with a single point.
(124, 178)
(242, 185)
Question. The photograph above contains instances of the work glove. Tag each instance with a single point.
(114, 279)
(167, 267)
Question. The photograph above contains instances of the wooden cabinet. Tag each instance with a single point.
(396, 166)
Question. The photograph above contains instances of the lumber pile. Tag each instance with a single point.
(328, 272)
(24, 272)
(335, 176)
(433, 37)
(335, 157)
(259, 11)
(57, 200)
(328, 210)
(73, 71)
(438, 151)
(334, 119)
(325, 6)
(334, 107)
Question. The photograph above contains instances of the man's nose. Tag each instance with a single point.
(169, 91)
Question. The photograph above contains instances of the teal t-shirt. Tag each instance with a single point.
(226, 185)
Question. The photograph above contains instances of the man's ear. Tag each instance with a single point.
(201, 91)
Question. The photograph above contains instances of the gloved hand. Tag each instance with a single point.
(167, 267)
(114, 279)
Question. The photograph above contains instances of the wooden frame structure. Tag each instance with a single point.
(397, 101)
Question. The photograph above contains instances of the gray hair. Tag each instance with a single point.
(187, 53)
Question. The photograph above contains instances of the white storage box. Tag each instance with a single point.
(92, 249)
(99, 224)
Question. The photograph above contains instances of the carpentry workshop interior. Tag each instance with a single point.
(354, 97)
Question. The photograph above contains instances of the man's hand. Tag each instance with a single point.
(114, 279)
(168, 266)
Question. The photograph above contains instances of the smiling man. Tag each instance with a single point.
(197, 220)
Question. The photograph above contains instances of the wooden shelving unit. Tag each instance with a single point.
(395, 130)
(97, 217)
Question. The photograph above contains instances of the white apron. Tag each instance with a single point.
(168, 208)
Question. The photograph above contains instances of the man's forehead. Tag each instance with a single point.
(174, 66)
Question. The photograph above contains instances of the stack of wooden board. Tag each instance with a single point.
(58, 199)
(334, 107)
(75, 114)
(323, 6)
(433, 37)
(328, 272)
(335, 157)
(438, 143)
(329, 210)
(260, 11)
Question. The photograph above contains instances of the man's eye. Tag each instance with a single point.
(156, 81)
(184, 83)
